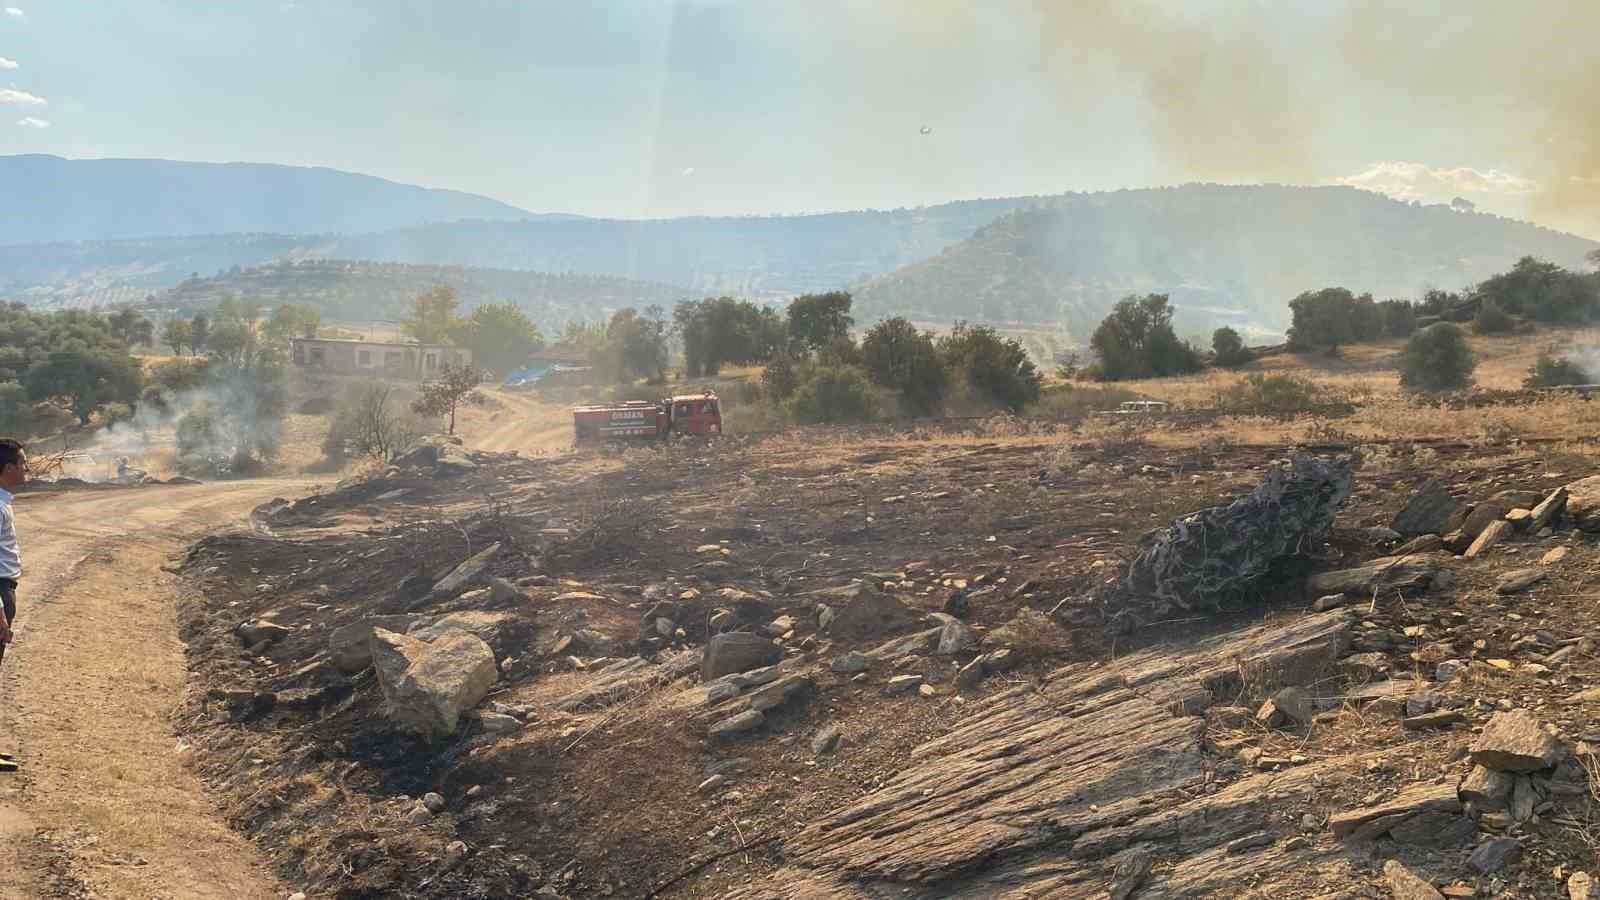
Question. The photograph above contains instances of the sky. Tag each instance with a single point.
(649, 108)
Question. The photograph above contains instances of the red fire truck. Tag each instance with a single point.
(647, 420)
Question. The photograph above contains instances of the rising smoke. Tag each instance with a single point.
(1251, 92)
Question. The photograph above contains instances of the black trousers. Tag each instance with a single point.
(8, 597)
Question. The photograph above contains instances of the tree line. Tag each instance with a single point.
(1137, 339)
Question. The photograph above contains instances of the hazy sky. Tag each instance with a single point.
(669, 107)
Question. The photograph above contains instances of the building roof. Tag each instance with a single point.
(410, 345)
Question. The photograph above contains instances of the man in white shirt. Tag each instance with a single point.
(13, 472)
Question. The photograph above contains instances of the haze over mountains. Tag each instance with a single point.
(1233, 254)
(48, 198)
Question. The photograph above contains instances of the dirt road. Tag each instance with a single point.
(104, 806)
(518, 421)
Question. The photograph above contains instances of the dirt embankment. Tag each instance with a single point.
(930, 729)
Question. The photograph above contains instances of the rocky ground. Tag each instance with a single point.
(836, 666)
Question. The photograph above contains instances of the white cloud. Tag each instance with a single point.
(14, 12)
(21, 98)
(31, 122)
(1419, 181)
(7, 64)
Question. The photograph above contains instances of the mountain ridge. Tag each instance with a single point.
(56, 199)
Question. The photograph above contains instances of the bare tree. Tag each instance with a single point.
(456, 385)
(374, 422)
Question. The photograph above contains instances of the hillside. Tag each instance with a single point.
(1227, 255)
(770, 257)
(362, 290)
(49, 198)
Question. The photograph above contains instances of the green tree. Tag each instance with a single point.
(131, 328)
(829, 394)
(292, 320)
(1137, 341)
(1328, 318)
(1491, 319)
(898, 356)
(635, 345)
(14, 408)
(199, 333)
(454, 386)
(1543, 291)
(721, 330)
(1228, 348)
(1437, 359)
(432, 318)
(500, 336)
(177, 334)
(817, 320)
(1399, 318)
(781, 376)
(997, 368)
(83, 382)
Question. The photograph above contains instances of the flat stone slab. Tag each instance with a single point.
(1515, 741)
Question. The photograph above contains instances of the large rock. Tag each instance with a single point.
(1515, 742)
(737, 651)
(1487, 789)
(427, 686)
(1490, 536)
(1583, 503)
(1407, 885)
(1518, 581)
(465, 573)
(1373, 821)
(1548, 510)
(870, 614)
(486, 625)
(350, 646)
(1429, 510)
(1482, 515)
(1386, 575)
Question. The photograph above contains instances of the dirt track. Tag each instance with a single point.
(104, 805)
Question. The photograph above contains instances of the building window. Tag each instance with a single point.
(364, 357)
(432, 362)
(394, 359)
(316, 356)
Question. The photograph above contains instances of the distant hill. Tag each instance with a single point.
(1226, 255)
(767, 257)
(49, 199)
(361, 291)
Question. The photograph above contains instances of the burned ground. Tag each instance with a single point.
(604, 789)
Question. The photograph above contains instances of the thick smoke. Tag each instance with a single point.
(236, 413)
(1253, 93)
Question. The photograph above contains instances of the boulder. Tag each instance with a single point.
(779, 692)
(1487, 789)
(427, 686)
(350, 646)
(505, 593)
(851, 663)
(1515, 741)
(1518, 581)
(954, 638)
(1489, 537)
(1583, 503)
(735, 725)
(1289, 705)
(465, 573)
(1428, 510)
(1386, 575)
(871, 614)
(1481, 517)
(1548, 510)
(1407, 885)
(737, 651)
(1494, 854)
(485, 625)
(826, 740)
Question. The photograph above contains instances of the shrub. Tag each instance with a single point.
(1229, 348)
(1399, 317)
(1271, 393)
(1492, 319)
(780, 376)
(1437, 359)
(1549, 371)
(373, 420)
(831, 394)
